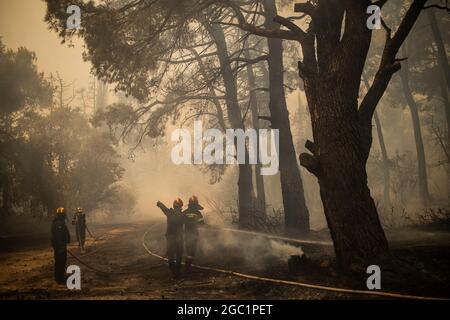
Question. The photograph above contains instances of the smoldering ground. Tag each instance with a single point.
(218, 247)
(232, 249)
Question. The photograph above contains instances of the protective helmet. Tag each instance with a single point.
(79, 210)
(60, 211)
(193, 203)
(193, 200)
(178, 203)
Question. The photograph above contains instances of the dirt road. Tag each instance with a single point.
(27, 272)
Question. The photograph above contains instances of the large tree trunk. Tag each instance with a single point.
(349, 208)
(332, 76)
(246, 197)
(245, 183)
(421, 163)
(294, 203)
(335, 46)
(259, 179)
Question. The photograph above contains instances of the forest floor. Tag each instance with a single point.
(26, 267)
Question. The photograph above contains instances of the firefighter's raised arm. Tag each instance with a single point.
(163, 208)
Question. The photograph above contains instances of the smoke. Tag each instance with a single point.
(232, 249)
(283, 250)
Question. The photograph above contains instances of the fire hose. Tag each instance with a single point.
(273, 237)
(94, 269)
(95, 239)
(78, 258)
(258, 278)
(295, 283)
(111, 272)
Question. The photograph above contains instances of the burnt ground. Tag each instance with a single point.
(26, 268)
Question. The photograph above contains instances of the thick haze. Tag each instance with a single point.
(152, 176)
(22, 24)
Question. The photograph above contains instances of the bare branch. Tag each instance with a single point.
(189, 59)
(260, 31)
(291, 26)
(389, 64)
(251, 61)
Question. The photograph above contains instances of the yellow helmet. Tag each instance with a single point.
(193, 203)
(60, 211)
(79, 210)
(193, 200)
(178, 203)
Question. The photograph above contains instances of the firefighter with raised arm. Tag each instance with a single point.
(193, 219)
(60, 239)
(174, 235)
(79, 221)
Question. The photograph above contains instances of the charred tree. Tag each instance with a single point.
(414, 109)
(245, 183)
(386, 162)
(384, 155)
(294, 202)
(259, 179)
(338, 159)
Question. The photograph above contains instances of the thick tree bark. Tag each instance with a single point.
(333, 61)
(259, 178)
(340, 168)
(294, 203)
(245, 183)
(421, 162)
(332, 76)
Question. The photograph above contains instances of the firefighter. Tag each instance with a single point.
(79, 221)
(60, 239)
(174, 235)
(193, 219)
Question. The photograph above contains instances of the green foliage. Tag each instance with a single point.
(50, 154)
(20, 83)
(124, 42)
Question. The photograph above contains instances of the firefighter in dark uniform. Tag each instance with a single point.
(193, 219)
(60, 239)
(79, 221)
(174, 235)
